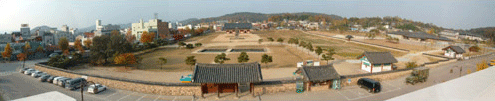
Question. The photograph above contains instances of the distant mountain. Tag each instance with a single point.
(41, 28)
(93, 27)
(258, 17)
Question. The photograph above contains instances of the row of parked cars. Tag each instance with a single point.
(63, 82)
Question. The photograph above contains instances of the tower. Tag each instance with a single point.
(98, 24)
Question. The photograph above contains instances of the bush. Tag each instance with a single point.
(64, 62)
(411, 65)
(474, 49)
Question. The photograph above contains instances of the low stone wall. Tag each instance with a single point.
(132, 86)
(274, 88)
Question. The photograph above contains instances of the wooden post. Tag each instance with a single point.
(309, 86)
(251, 88)
(329, 84)
(203, 90)
(218, 90)
(236, 90)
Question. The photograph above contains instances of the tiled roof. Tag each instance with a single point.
(379, 57)
(227, 73)
(320, 73)
(421, 35)
(238, 25)
(456, 49)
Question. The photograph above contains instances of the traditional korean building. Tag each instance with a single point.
(320, 75)
(377, 61)
(231, 28)
(453, 51)
(224, 78)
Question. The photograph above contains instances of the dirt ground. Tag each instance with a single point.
(399, 45)
(283, 57)
(162, 76)
(344, 50)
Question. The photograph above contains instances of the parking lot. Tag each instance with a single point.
(355, 92)
(16, 85)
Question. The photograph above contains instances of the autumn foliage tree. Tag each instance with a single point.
(147, 38)
(7, 53)
(64, 45)
(131, 38)
(88, 43)
(79, 46)
(482, 65)
(21, 56)
(125, 59)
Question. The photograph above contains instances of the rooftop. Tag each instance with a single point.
(379, 57)
(227, 73)
(420, 35)
(238, 25)
(320, 73)
(456, 49)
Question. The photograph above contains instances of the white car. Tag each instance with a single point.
(36, 74)
(29, 71)
(55, 80)
(96, 88)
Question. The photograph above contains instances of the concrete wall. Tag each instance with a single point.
(131, 86)
(379, 77)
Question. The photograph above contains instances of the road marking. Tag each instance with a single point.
(372, 95)
(157, 97)
(343, 95)
(125, 96)
(112, 94)
(141, 97)
(174, 98)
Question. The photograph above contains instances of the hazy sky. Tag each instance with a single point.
(449, 14)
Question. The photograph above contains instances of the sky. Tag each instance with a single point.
(457, 14)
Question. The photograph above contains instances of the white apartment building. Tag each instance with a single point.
(153, 25)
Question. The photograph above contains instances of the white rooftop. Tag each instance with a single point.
(477, 86)
(48, 96)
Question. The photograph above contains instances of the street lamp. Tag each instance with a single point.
(82, 87)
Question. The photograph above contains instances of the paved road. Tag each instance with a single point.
(14, 85)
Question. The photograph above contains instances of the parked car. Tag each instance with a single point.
(96, 88)
(55, 80)
(371, 85)
(38, 74)
(24, 69)
(61, 82)
(34, 73)
(43, 78)
(50, 79)
(74, 83)
(53, 55)
(29, 71)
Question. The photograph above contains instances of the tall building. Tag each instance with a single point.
(65, 28)
(25, 30)
(105, 29)
(153, 25)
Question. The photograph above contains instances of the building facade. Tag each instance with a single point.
(153, 25)
(377, 61)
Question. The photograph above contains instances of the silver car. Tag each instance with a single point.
(37, 74)
(29, 71)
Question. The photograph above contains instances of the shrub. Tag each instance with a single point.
(474, 48)
(411, 65)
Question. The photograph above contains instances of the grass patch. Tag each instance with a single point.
(349, 54)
